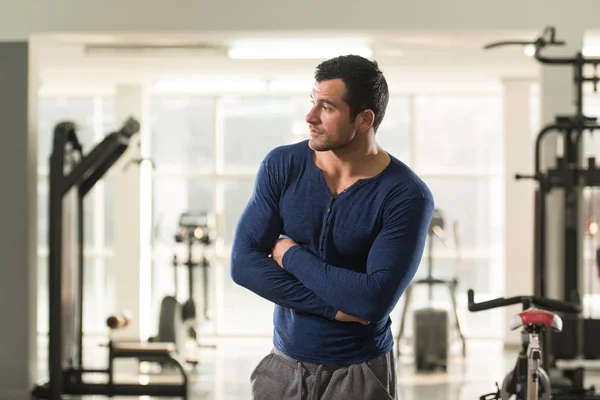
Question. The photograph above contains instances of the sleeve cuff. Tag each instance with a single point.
(291, 263)
(331, 312)
(287, 259)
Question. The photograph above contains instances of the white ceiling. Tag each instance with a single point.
(410, 60)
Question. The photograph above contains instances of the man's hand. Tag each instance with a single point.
(343, 317)
(281, 246)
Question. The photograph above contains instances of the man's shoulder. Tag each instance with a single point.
(287, 152)
(285, 157)
(406, 185)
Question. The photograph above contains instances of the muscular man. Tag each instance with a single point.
(333, 234)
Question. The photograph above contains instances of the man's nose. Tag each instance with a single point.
(312, 117)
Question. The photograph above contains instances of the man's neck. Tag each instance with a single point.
(357, 160)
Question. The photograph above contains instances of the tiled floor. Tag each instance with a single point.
(223, 373)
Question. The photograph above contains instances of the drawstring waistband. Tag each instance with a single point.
(307, 368)
(316, 387)
(299, 369)
(310, 367)
(315, 392)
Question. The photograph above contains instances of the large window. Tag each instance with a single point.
(207, 150)
(394, 133)
(458, 153)
(183, 134)
(252, 126)
(221, 141)
(458, 134)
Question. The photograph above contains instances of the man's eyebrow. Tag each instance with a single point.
(324, 101)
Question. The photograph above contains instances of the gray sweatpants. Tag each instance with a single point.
(279, 377)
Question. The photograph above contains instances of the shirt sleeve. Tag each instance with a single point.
(251, 267)
(391, 264)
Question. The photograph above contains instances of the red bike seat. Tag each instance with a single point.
(534, 316)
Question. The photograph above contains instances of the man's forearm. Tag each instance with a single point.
(393, 260)
(352, 292)
(254, 270)
(259, 226)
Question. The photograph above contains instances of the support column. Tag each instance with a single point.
(557, 98)
(132, 215)
(18, 230)
(518, 196)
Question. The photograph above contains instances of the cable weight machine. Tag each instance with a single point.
(193, 227)
(570, 175)
(178, 321)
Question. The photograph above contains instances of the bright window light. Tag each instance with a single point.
(305, 49)
(591, 51)
(529, 50)
(588, 51)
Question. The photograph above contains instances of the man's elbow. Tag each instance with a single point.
(376, 312)
(379, 308)
(238, 261)
(238, 273)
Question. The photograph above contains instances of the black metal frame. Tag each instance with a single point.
(570, 176)
(85, 173)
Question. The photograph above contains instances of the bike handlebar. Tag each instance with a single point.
(548, 304)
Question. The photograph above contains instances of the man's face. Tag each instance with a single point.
(329, 117)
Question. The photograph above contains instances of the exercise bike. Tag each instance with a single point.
(178, 322)
(528, 380)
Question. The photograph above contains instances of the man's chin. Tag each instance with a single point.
(317, 146)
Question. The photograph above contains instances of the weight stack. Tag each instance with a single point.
(431, 339)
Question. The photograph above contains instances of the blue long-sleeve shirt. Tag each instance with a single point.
(357, 252)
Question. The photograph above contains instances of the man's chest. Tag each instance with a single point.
(345, 225)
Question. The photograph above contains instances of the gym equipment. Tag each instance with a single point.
(176, 319)
(72, 176)
(431, 340)
(570, 175)
(161, 352)
(528, 380)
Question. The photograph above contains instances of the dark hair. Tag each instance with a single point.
(366, 87)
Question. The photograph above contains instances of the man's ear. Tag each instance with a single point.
(365, 120)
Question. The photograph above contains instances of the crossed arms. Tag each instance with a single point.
(308, 284)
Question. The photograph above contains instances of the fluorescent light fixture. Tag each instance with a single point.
(210, 85)
(258, 53)
(290, 50)
(282, 86)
